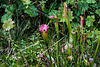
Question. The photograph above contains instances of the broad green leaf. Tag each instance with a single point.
(54, 13)
(90, 1)
(69, 15)
(67, 1)
(72, 1)
(5, 17)
(27, 2)
(32, 11)
(9, 12)
(90, 20)
(85, 6)
(96, 32)
(61, 15)
(9, 9)
(98, 11)
(88, 41)
(42, 4)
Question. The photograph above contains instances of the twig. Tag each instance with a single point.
(26, 63)
(9, 53)
(38, 63)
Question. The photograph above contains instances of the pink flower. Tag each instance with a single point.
(82, 21)
(15, 58)
(69, 45)
(43, 27)
(56, 17)
(73, 32)
(19, 57)
(91, 59)
(70, 57)
(53, 17)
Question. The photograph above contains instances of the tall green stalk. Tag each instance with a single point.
(57, 31)
(96, 51)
